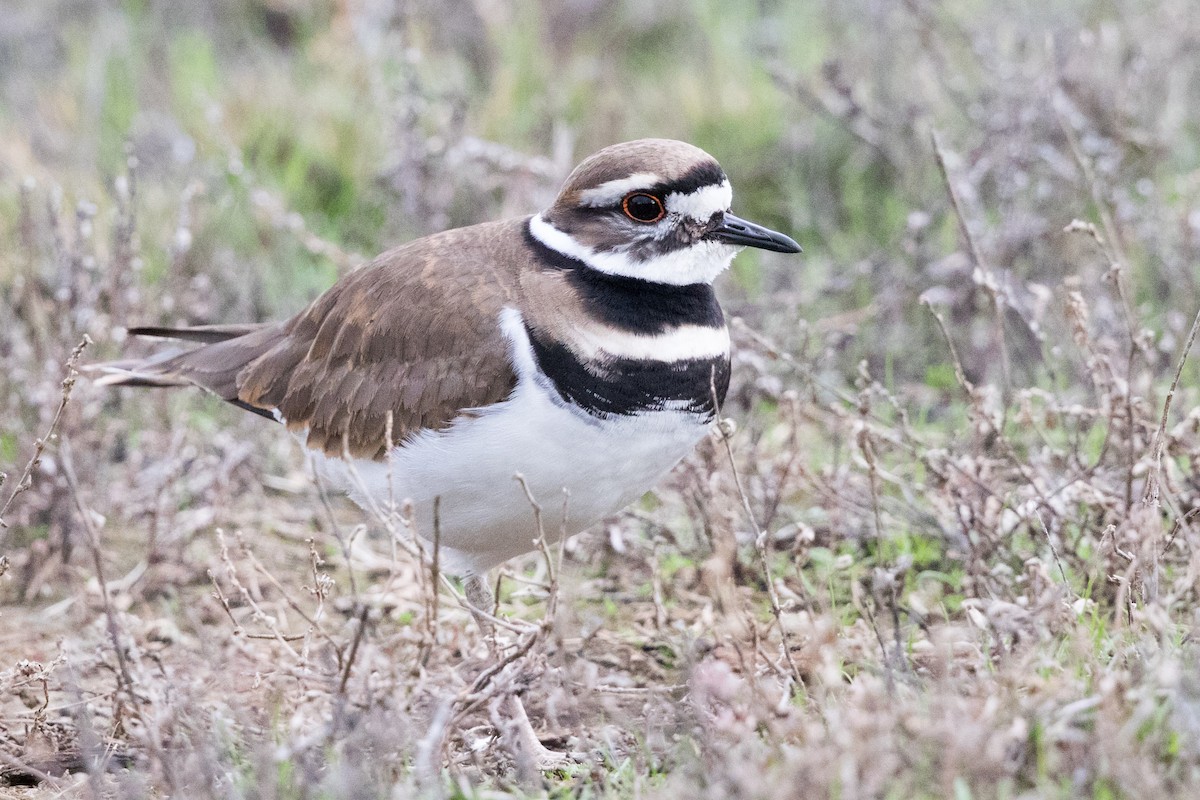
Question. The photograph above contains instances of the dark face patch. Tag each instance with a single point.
(606, 229)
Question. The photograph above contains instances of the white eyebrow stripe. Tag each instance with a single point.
(700, 263)
(610, 193)
(701, 204)
(681, 343)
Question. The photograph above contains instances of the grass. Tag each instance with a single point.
(978, 563)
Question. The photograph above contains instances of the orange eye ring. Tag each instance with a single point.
(638, 209)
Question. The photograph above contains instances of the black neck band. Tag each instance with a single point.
(632, 304)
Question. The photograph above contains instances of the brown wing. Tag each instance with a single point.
(413, 335)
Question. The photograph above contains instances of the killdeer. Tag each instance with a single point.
(582, 347)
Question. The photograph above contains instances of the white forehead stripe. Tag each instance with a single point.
(611, 193)
(701, 204)
(681, 343)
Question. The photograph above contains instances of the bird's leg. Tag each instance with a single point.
(509, 716)
(525, 742)
(479, 598)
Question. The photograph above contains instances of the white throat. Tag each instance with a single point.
(700, 263)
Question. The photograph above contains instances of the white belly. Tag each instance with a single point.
(470, 468)
(484, 515)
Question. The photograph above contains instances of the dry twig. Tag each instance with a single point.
(25, 482)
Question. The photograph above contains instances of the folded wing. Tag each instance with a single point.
(401, 343)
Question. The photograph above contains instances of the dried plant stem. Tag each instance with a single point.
(1115, 254)
(410, 541)
(1054, 551)
(725, 429)
(999, 301)
(484, 687)
(428, 756)
(231, 573)
(910, 443)
(666, 688)
(868, 450)
(17, 766)
(889, 672)
(219, 594)
(344, 541)
(973, 397)
(534, 505)
(760, 548)
(1110, 246)
(39, 446)
(959, 374)
(312, 619)
(113, 628)
(353, 654)
(1152, 484)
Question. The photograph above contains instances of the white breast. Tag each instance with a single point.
(485, 518)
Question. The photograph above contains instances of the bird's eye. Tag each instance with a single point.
(643, 207)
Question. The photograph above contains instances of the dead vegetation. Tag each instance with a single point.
(950, 547)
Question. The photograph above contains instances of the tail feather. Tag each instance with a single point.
(116, 375)
(225, 350)
(148, 371)
(204, 334)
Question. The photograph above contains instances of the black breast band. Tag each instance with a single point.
(627, 386)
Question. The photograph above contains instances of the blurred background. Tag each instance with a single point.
(285, 140)
(949, 406)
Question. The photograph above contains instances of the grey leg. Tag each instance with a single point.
(479, 593)
(479, 598)
(528, 745)
(508, 715)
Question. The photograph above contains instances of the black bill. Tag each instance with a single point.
(735, 230)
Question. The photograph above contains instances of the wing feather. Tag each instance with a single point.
(412, 335)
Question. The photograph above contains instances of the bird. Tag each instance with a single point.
(581, 348)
